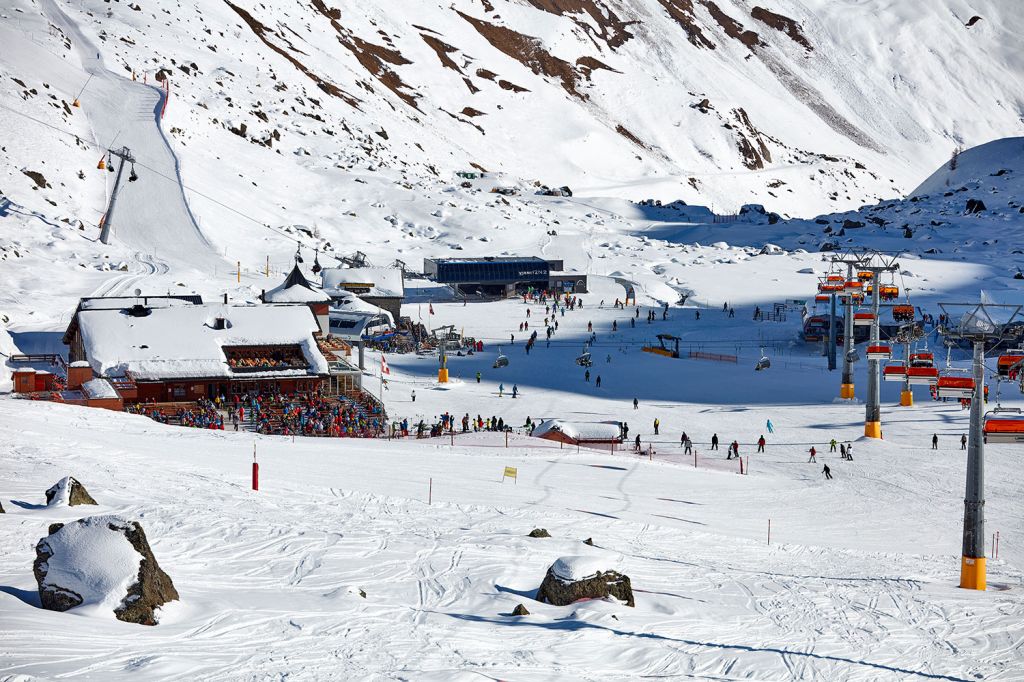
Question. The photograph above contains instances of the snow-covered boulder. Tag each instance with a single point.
(68, 492)
(572, 578)
(101, 564)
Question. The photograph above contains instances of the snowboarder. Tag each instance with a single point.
(812, 457)
(770, 426)
(636, 404)
(414, 396)
(515, 391)
(714, 442)
(760, 444)
(657, 423)
(597, 383)
(832, 444)
(935, 441)
(963, 442)
(827, 472)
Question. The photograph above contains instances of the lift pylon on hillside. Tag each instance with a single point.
(977, 323)
(876, 263)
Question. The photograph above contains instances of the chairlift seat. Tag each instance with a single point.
(922, 376)
(955, 387)
(879, 352)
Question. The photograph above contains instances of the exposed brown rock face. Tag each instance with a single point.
(559, 592)
(263, 32)
(622, 130)
(76, 492)
(152, 588)
(752, 148)
(682, 12)
(781, 23)
(732, 27)
(609, 27)
(530, 52)
(442, 49)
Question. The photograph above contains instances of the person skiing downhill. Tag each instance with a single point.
(813, 453)
(770, 426)
(827, 472)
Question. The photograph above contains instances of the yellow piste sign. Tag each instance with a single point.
(510, 472)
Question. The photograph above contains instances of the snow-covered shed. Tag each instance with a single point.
(184, 352)
(382, 287)
(578, 433)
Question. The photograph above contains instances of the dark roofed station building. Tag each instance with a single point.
(491, 275)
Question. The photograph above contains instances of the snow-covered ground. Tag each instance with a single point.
(859, 581)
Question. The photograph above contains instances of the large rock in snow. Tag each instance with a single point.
(68, 492)
(573, 578)
(104, 564)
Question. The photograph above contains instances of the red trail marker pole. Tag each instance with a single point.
(255, 470)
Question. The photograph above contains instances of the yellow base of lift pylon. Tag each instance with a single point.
(972, 573)
(442, 376)
(846, 391)
(873, 429)
(906, 398)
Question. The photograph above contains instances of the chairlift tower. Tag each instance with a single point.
(875, 263)
(851, 259)
(978, 323)
(125, 155)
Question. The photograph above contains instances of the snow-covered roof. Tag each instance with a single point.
(382, 282)
(182, 342)
(295, 289)
(117, 302)
(579, 431)
(99, 389)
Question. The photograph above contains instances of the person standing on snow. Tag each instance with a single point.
(501, 390)
(478, 377)
(414, 395)
(637, 443)
(636, 404)
(515, 391)
(963, 442)
(832, 443)
(935, 441)
(597, 383)
(813, 453)
(770, 426)
(657, 423)
(687, 446)
(849, 452)
(714, 442)
(682, 439)
(625, 430)
(586, 375)
(760, 444)
(842, 451)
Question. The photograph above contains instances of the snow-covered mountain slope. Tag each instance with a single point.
(803, 105)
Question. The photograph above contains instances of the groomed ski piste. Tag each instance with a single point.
(403, 560)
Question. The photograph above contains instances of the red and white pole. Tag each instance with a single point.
(255, 470)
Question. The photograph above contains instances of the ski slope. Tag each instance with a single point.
(858, 583)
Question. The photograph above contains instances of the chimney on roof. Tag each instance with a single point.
(220, 322)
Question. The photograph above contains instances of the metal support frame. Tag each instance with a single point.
(125, 155)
